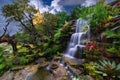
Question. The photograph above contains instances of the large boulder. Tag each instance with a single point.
(58, 71)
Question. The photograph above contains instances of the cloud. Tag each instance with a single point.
(80, 2)
(108, 1)
(71, 2)
(89, 2)
(53, 8)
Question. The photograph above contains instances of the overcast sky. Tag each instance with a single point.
(53, 6)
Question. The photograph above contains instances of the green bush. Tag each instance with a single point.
(23, 61)
(91, 70)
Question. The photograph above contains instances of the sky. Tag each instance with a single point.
(52, 6)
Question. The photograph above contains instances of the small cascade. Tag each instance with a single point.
(78, 40)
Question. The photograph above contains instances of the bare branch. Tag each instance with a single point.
(5, 29)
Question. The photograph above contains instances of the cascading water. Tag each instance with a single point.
(75, 47)
(78, 39)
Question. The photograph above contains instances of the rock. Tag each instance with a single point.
(57, 58)
(78, 53)
(7, 76)
(76, 70)
(22, 73)
(54, 66)
(42, 62)
(59, 73)
(90, 78)
(74, 65)
(17, 68)
(71, 62)
(38, 74)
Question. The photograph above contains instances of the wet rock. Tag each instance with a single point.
(78, 53)
(71, 62)
(59, 73)
(38, 74)
(76, 71)
(57, 58)
(54, 66)
(23, 73)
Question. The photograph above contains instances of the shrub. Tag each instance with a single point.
(109, 69)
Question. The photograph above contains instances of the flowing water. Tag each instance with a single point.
(78, 40)
(74, 51)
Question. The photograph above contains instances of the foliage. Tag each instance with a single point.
(86, 12)
(6, 59)
(74, 14)
(92, 51)
(23, 13)
(91, 70)
(111, 49)
(58, 33)
(62, 36)
(62, 16)
(108, 68)
(80, 78)
(23, 60)
(1, 66)
(49, 49)
(100, 14)
(49, 23)
(111, 34)
(22, 37)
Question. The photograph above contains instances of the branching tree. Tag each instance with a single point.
(20, 11)
(49, 23)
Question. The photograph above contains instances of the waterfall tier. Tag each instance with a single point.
(78, 39)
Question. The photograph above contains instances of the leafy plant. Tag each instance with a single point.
(91, 70)
(100, 14)
(112, 49)
(80, 78)
(2, 66)
(111, 34)
(92, 51)
(23, 60)
(108, 68)
(58, 34)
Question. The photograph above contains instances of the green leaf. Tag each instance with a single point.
(1, 66)
(118, 67)
(1, 59)
(113, 64)
(104, 74)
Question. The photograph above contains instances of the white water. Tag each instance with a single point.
(78, 39)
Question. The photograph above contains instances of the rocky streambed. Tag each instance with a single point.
(61, 68)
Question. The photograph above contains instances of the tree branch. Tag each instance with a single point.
(5, 29)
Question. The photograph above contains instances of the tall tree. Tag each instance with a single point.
(62, 16)
(49, 23)
(20, 11)
(75, 13)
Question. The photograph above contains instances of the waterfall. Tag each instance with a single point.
(78, 39)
